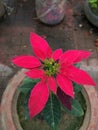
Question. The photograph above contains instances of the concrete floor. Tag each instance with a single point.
(74, 32)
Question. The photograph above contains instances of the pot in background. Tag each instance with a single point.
(50, 12)
(92, 17)
(2, 10)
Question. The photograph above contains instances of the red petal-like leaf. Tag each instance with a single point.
(40, 46)
(65, 99)
(74, 56)
(80, 76)
(26, 61)
(52, 84)
(35, 73)
(65, 84)
(38, 98)
(57, 53)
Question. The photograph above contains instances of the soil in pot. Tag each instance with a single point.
(68, 122)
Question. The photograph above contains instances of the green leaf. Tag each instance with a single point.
(27, 115)
(76, 109)
(52, 112)
(77, 87)
(78, 65)
(23, 105)
(27, 85)
(25, 88)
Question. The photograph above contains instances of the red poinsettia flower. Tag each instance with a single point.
(54, 69)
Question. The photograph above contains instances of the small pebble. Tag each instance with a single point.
(91, 32)
(80, 25)
(24, 46)
(91, 50)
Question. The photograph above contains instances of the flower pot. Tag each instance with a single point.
(92, 17)
(50, 11)
(9, 117)
(10, 6)
(2, 10)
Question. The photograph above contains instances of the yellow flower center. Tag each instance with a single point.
(51, 67)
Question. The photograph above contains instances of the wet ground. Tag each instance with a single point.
(74, 32)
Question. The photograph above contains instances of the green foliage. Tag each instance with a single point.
(76, 109)
(67, 122)
(52, 112)
(78, 65)
(26, 111)
(77, 87)
(25, 88)
(93, 3)
(27, 85)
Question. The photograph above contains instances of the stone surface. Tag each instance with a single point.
(5, 71)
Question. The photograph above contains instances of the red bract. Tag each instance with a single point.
(54, 69)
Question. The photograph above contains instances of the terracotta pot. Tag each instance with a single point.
(9, 117)
(92, 17)
(50, 11)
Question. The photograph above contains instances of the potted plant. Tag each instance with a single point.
(50, 12)
(91, 11)
(50, 89)
(2, 10)
(7, 8)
